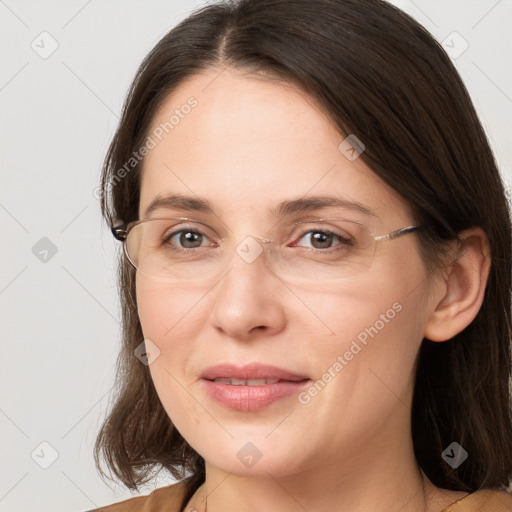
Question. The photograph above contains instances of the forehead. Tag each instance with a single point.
(247, 143)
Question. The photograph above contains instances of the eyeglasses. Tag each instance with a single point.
(319, 250)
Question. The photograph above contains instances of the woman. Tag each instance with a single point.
(317, 270)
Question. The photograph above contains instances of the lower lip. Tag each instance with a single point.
(251, 398)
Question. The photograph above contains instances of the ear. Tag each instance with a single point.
(460, 294)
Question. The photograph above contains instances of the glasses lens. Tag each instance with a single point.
(323, 251)
(320, 250)
(173, 249)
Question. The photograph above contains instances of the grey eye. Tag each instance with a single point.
(186, 239)
(324, 239)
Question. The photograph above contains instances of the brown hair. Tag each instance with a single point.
(381, 76)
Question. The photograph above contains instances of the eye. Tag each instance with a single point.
(323, 239)
(186, 239)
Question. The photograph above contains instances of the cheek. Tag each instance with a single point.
(376, 330)
(366, 370)
(393, 333)
(167, 313)
(171, 319)
(379, 332)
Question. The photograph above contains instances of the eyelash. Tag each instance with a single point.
(344, 241)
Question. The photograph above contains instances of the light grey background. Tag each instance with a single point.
(60, 317)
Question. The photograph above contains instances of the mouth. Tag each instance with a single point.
(248, 382)
(251, 387)
(251, 372)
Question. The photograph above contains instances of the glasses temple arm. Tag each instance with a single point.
(398, 233)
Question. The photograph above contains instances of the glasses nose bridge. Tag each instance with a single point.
(253, 247)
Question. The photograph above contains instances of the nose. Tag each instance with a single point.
(249, 296)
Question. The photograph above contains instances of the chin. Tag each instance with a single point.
(252, 458)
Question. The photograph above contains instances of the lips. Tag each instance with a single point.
(253, 371)
(251, 387)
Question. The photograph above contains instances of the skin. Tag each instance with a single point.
(249, 144)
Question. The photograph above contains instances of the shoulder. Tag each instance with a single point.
(483, 500)
(163, 499)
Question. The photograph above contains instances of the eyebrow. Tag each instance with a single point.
(283, 209)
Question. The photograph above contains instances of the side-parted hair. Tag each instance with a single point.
(380, 76)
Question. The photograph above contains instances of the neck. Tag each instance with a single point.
(380, 475)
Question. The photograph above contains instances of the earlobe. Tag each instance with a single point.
(462, 292)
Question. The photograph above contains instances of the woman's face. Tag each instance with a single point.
(245, 145)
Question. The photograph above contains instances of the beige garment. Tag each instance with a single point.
(484, 500)
(168, 499)
(164, 499)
